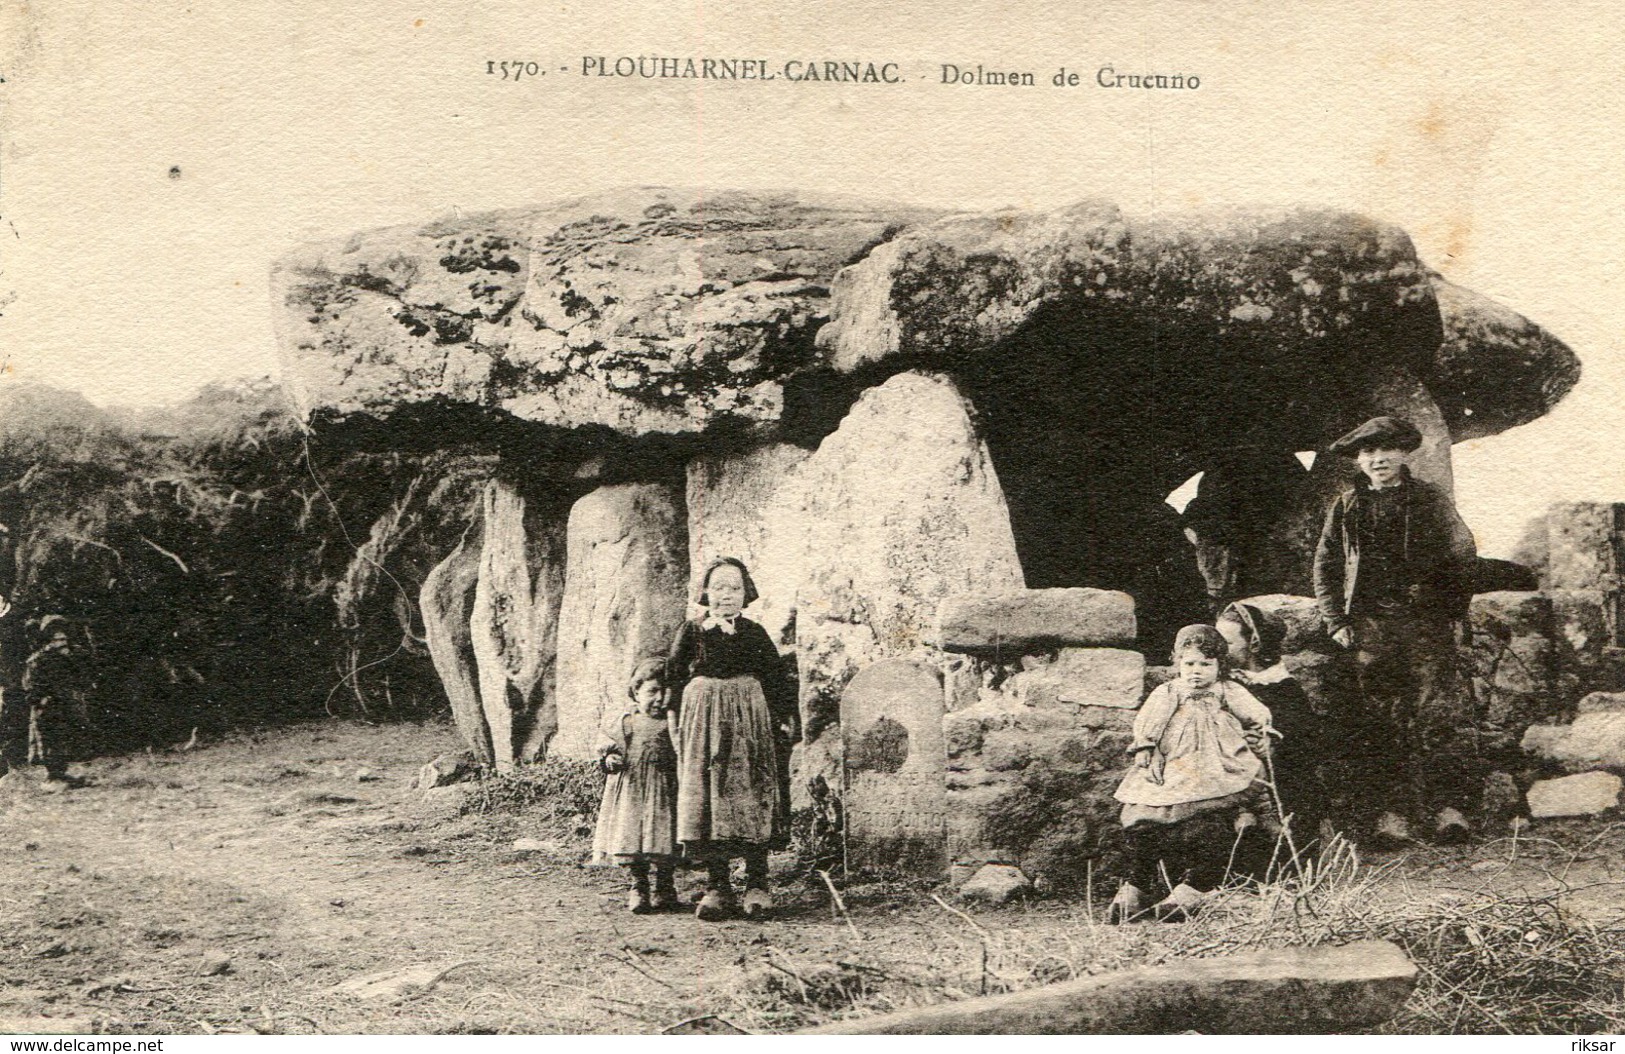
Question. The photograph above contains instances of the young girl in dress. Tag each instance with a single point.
(637, 822)
(737, 716)
(1197, 746)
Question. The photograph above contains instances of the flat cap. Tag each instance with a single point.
(1379, 431)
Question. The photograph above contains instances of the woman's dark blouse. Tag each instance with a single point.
(701, 652)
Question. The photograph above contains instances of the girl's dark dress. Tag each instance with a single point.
(734, 694)
(1297, 759)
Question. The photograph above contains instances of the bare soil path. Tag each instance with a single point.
(236, 886)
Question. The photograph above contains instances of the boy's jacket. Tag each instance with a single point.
(1439, 554)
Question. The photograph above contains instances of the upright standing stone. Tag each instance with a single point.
(728, 498)
(1513, 663)
(895, 762)
(446, 600)
(514, 621)
(625, 579)
(896, 509)
(1582, 540)
(1585, 542)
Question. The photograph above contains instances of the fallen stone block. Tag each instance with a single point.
(1319, 990)
(1111, 677)
(446, 769)
(1595, 740)
(1021, 622)
(1587, 794)
(996, 884)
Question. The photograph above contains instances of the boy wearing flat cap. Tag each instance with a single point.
(1393, 576)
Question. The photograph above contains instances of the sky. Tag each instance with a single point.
(156, 157)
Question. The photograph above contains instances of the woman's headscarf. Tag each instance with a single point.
(1266, 631)
(744, 574)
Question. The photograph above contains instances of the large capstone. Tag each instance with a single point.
(644, 310)
(625, 579)
(1109, 357)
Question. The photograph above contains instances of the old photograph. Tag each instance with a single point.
(997, 518)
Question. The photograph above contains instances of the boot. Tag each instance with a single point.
(637, 900)
(715, 906)
(665, 895)
(718, 902)
(1126, 906)
(756, 904)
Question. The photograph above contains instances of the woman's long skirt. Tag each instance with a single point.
(728, 793)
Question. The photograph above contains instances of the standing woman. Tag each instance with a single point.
(736, 716)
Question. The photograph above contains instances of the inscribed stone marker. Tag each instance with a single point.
(895, 761)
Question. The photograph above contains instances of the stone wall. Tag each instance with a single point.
(1040, 703)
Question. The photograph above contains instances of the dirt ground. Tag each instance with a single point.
(237, 886)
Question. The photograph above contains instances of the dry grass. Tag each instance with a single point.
(1490, 961)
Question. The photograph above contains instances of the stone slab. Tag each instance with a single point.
(1595, 740)
(1021, 622)
(1587, 794)
(1317, 990)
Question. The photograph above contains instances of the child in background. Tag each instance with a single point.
(637, 822)
(1197, 746)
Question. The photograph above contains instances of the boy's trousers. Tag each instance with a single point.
(1414, 741)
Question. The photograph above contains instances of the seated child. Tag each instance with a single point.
(1197, 746)
(637, 822)
(1307, 742)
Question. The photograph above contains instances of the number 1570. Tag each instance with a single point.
(514, 70)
